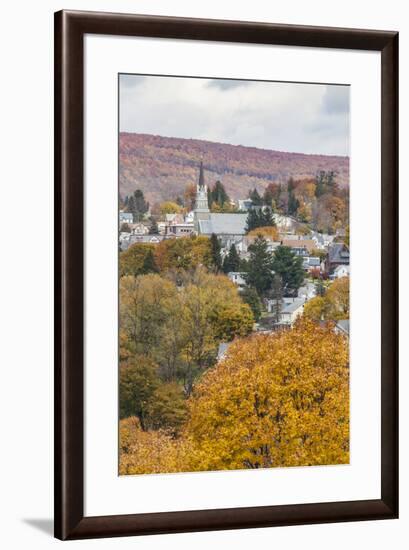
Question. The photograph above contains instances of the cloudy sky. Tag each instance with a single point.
(304, 118)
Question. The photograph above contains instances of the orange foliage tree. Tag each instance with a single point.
(276, 400)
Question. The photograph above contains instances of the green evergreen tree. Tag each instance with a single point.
(232, 260)
(268, 197)
(137, 205)
(293, 203)
(277, 297)
(320, 289)
(260, 266)
(149, 264)
(215, 247)
(321, 186)
(266, 217)
(153, 228)
(249, 296)
(219, 194)
(255, 197)
(253, 220)
(290, 268)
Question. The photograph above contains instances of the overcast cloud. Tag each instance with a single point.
(305, 118)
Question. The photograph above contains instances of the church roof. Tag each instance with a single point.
(224, 224)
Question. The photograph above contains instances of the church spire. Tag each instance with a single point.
(201, 175)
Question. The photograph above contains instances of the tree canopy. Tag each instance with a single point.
(275, 400)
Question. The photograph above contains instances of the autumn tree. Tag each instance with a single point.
(169, 207)
(275, 401)
(290, 268)
(338, 298)
(270, 232)
(150, 452)
(316, 309)
(185, 253)
(138, 381)
(189, 196)
(134, 261)
(166, 408)
(125, 228)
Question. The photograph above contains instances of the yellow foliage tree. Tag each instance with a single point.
(338, 299)
(149, 452)
(186, 253)
(169, 207)
(269, 232)
(316, 308)
(276, 400)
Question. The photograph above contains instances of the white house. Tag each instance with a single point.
(340, 271)
(237, 278)
(291, 311)
(125, 217)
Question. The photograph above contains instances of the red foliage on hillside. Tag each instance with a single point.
(162, 167)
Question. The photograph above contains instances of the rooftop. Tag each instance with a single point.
(224, 224)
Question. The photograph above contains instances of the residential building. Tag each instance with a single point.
(338, 254)
(342, 327)
(125, 217)
(237, 278)
(340, 271)
(291, 311)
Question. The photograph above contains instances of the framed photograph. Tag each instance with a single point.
(226, 275)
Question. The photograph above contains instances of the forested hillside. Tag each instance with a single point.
(162, 167)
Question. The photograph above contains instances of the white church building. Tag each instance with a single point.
(230, 228)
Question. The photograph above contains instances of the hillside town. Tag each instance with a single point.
(323, 257)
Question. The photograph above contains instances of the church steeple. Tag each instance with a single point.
(201, 175)
(201, 211)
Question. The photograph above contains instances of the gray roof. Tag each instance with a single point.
(338, 253)
(343, 325)
(224, 224)
(222, 350)
(292, 306)
(313, 261)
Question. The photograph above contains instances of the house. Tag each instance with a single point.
(125, 217)
(322, 240)
(284, 223)
(311, 263)
(307, 291)
(237, 278)
(222, 351)
(291, 311)
(179, 229)
(340, 271)
(245, 204)
(342, 327)
(139, 229)
(338, 254)
(248, 240)
(301, 247)
(147, 239)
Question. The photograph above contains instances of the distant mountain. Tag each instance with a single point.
(163, 166)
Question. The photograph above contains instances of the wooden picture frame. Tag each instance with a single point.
(70, 28)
